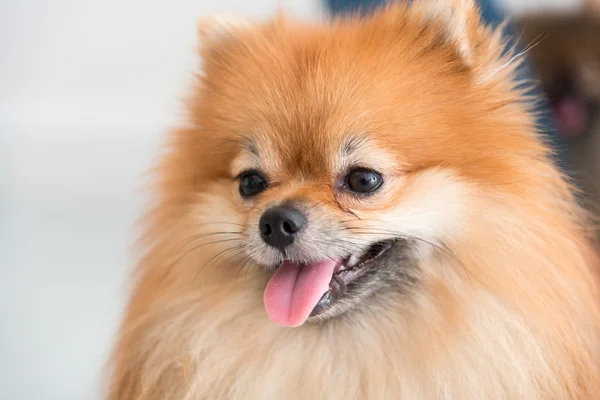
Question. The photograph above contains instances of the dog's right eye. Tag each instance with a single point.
(252, 183)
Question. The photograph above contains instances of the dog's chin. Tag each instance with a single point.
(386, 269)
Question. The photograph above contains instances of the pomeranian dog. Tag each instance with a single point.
(360, 210)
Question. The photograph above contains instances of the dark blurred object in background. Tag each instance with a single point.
(351, 6)
(566, 52)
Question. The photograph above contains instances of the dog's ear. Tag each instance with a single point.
(219, 27)
(217, 34)
(460, 23)
(460, 20)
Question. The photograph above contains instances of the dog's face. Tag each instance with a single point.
(350, 153)
(323, 208)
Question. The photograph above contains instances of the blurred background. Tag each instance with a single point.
(86, 90)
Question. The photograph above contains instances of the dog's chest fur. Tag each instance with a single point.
(240, 354)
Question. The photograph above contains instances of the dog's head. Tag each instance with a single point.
(338, 158)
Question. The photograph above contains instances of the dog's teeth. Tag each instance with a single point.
(352, 261)
(338, 268)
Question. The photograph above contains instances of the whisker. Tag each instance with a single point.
(240, 270)
(213, 223)
(442, 248)
(353, 213)
(216, 257)
(193, 238)
(181, 256)
(248, 261)
(241, 249)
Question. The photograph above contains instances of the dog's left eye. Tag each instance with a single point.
(363, 181)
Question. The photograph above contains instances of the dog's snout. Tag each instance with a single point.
(280, 225)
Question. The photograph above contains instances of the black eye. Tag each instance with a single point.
(251, 183)
(363, 181)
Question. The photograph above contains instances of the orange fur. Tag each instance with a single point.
(510, 310)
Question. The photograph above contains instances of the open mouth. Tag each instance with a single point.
(347, 272)
(297, 292)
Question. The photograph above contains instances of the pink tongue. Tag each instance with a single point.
(294, 291)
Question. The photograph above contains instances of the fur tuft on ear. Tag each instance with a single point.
(480, 48)
(217, 27)
(459, 18)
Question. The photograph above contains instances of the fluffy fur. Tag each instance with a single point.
(506, 304)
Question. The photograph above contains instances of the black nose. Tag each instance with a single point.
(280, 225)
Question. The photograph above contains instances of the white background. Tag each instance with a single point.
(86, 89)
